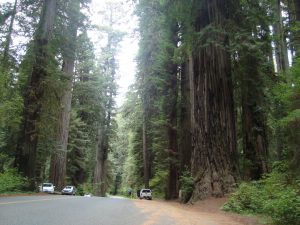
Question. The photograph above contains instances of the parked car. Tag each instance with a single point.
(146, 194)
(47, 187)
(69, 190)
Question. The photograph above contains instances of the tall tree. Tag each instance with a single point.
(252, 62)
(108, 68)
(214, 165)
(59, 155)
(35, 90)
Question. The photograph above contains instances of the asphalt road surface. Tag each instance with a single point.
(69, 210)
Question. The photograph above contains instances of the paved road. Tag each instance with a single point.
(69, 210)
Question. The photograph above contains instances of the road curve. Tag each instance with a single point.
(69, 210)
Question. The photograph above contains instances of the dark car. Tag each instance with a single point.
(69, 190)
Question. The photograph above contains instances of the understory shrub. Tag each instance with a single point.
(86, 188)
(274, 196)
(12, 181)
(186, 186)
(158, 183)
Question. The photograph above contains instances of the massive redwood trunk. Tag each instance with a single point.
(214, 141)
(35, 91)
(59, 155)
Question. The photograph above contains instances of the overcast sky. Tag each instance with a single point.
(129, 45)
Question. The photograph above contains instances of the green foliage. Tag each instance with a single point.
(274, 196)
(11, 181)
(85, 188)
(158, 183)
(285, 207)
(186, 185)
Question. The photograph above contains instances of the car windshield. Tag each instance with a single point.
(68, 187)
(147, 191)
(47, 185)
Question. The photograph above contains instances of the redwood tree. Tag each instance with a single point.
(59, 154)
(35, 91)
(213, 136)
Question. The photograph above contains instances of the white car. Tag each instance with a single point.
(69, 190)
(47, 187)
(146, 194)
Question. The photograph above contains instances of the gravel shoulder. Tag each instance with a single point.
(205, 212)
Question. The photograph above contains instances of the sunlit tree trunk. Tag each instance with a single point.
(59, 155)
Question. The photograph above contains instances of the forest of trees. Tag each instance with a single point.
(216, 99)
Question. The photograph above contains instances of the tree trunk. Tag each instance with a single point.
(281, 53)
(253, 119)
(214, 142)
(172, 191)
(59, 156)
(35, 92)
(109, 68)
(146, 156)
(100, 171)
(185, 145)
(297, 33)
(297, 9)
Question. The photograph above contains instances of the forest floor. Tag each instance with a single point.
(207, 212)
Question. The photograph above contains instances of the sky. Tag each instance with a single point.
(128, 47)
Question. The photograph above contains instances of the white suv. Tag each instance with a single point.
(146, 194)
(47, 187)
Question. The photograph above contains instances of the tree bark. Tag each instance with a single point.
(185, 145)
(297, 9)
(253, 119)
(214, 142)
(35, 91)
(146, 156)
(100, 171)
(297, 33)
(59, 156)
(172, 191)
(281, 53)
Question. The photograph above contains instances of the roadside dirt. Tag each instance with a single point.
(205, 212)
(17, 195)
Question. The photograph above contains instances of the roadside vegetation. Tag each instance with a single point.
(275, 196)
(11, 182)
